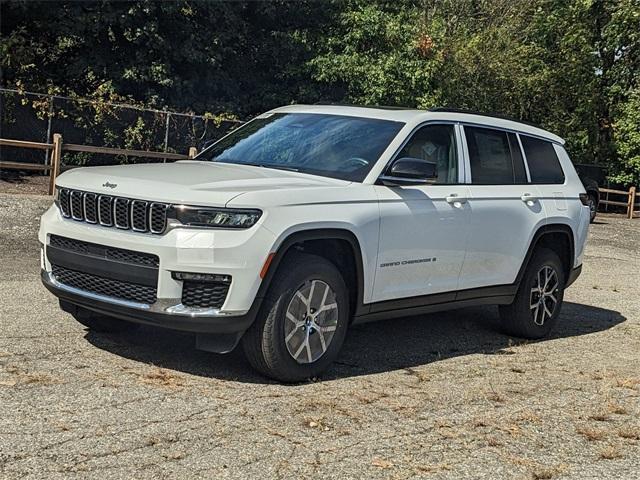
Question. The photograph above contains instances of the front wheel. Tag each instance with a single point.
(303, 320)
(537, 304)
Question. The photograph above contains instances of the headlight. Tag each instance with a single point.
(216, 217)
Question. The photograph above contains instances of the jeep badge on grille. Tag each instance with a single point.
(109, 185)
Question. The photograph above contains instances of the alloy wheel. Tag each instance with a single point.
(311, 321)
(544, 295)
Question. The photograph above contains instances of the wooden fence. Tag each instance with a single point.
(57, 147)
(631, 202)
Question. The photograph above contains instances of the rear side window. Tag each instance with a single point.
(491, 158)
(544, 166)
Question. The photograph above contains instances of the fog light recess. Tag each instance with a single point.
(201, 277)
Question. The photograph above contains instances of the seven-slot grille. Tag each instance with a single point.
(110, 211)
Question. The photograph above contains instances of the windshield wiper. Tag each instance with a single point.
(277, 167)
(234, 161)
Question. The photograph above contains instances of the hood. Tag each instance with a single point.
(188, 182)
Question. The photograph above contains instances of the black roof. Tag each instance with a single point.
(492, 115)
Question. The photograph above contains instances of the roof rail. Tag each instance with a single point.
(381, 107)
(493, 115)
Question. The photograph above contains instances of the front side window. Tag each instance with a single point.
(334, 146)
(544, 166)
(437, 144)
(490, 156)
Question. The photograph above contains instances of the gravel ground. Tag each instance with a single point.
(12, 181)
(438, 396)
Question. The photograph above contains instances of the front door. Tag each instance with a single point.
(423, 229)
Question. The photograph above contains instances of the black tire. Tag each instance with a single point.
(593, 206)
(102, 323)
(264, 343)
(518, 318)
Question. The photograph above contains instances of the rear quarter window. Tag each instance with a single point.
(544, 165)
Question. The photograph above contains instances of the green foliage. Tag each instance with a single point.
(627, 140)
(570, 65)
(379, 54)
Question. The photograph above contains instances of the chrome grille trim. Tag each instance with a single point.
(158, 216)
(90, 208)
(121, 212)
(137, 215)
(65, 202)
(104, 213)
(77, 212)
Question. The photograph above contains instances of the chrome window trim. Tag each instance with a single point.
(407, 139)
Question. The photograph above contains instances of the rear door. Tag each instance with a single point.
(505, 209)
(423, 228)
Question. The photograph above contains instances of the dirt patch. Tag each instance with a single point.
(15, 182)
(442, 396)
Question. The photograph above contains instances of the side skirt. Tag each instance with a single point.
(438, 302)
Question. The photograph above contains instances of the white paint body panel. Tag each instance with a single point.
(418, 225)
(501, 227)
(479, 243)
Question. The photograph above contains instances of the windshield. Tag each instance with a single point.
(330, 145)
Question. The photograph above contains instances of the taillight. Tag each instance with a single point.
(584, 198)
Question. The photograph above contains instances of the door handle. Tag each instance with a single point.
(528, 198)
(455, 198)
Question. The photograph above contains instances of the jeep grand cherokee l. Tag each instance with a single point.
(308, 219)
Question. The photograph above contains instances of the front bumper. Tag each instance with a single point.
(165, 313)
(238, 254)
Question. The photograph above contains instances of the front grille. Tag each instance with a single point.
(111, 211)
(104, 286)
(204, 294)
(111, 253)
(91, 207)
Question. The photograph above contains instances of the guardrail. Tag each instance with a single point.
(631, 204)
(57, 147)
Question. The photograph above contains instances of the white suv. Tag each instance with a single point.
(310, 218)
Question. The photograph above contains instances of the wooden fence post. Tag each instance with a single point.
(56, 153)
(193, 151)
(632, 202)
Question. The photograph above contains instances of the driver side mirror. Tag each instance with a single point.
(410, 171)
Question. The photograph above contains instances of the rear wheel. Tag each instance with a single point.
(303, 320)
(97, 322)
(537, 305)
(593, 206)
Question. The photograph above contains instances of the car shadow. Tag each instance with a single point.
(369, 348)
